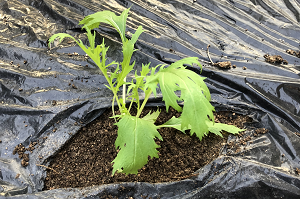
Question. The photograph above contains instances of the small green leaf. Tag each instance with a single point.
(216, 128)
(152, 117)
(118, 22)
(136, 142)
(174, 122)
(61, 36)
(128, 49)
(139, 84)
(152, 79)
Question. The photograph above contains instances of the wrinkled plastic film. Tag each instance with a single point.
(40, 87)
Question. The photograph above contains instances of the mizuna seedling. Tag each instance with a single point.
(136, 134)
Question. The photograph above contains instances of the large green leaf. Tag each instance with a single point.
(215, 128)
(197, 109)
(136, 142)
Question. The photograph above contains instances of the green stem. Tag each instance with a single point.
(147, 95)
(113, 109)
(107, 78)
(113, 90)
(124, 91)
(130, 105)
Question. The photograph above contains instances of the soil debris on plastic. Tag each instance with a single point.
(292, 52)
(224, 64)
(275, 59)
(20, 150)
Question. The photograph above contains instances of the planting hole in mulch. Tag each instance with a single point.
(86, 158)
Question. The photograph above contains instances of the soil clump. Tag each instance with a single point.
(292, 52)
(275, 59)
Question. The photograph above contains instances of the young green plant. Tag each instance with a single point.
(136, 134)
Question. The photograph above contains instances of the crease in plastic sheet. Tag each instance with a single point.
(39, 87)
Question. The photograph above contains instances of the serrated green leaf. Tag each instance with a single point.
(91, 38)
(174, 122)
(172, 79)
(94, 53)
(61, 36)
(136, 142)
(115, 74)
(168, 84)
(196, 110)
(139, 84)
(216, 128)
(194, 93)
(128, 49)
(151, 117)
(118, 22)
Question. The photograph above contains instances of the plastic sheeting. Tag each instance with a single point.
(39, 87)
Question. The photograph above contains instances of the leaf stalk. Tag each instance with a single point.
(147, 95)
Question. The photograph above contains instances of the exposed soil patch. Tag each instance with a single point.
(275, 59)
(86, 159)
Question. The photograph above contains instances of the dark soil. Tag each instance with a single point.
(86, 159)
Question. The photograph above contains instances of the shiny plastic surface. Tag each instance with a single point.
(40, 87)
